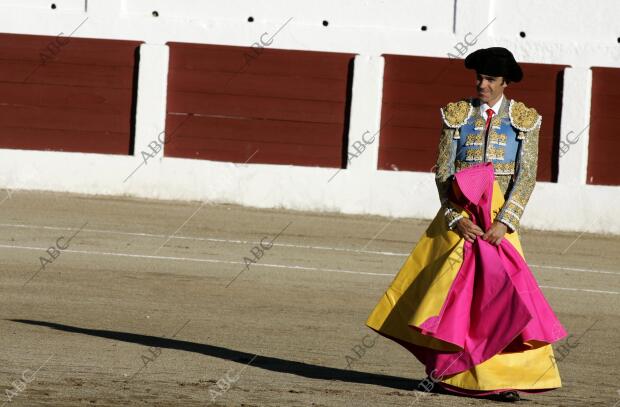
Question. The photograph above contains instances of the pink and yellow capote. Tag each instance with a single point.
(472, 313)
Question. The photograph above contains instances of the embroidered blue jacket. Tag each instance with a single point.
(511, 145)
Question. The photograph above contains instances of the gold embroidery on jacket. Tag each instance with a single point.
(497, 138)
(495, 153)
(474, 139)
(496, 121)
(504, 168)
(473, 154)
(507, 168)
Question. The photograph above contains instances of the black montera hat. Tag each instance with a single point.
(495, 61)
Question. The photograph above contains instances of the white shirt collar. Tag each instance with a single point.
(495, 107)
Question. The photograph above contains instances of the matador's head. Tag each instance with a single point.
(495, 68)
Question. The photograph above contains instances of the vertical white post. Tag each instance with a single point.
(574, 128)
(365, 119)
(151, 100)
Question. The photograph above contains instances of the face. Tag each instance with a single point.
(490, 88)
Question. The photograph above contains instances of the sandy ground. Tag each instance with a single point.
(148, 303)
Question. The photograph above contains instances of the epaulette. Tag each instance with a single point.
(456, 114)
(523, 118)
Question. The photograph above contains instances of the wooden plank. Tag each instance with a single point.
(239, 151)
(270, 61)
(211, 128)
(207, 138)
(256, 107)
(68, 140)
(251, 84)
(71, 97)
(67, 74)
(83, 51)
(63, 118)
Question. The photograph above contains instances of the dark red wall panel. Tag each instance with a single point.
(415, 88)
(271, 106)
(67, 94)
(604, 117)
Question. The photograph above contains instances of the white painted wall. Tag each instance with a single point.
(556, 31)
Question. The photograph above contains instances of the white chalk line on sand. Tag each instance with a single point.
(299, 246)
(579, 289)
(282, 266)
(146, 256)
(207, 239)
